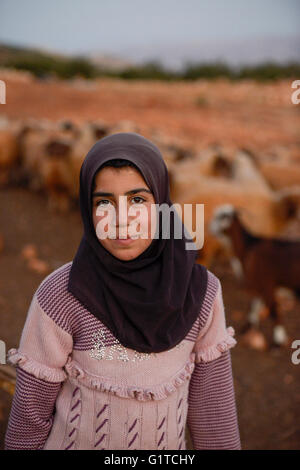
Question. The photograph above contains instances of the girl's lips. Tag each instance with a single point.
(124, 241)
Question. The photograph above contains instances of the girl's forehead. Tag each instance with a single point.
(110, 176)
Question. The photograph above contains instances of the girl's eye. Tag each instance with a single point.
(141, 199)
(105, 202)
(102, 202)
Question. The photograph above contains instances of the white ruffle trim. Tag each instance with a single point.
(104, 384)
(215, 351)
(40, 371)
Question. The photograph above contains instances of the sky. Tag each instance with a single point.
(119, 26)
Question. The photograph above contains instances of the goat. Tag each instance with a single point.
(267, 264)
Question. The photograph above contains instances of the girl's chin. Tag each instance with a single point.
(125, 252)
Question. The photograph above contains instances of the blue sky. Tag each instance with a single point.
(77, 26)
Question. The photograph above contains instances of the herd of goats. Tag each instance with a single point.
(251, 204)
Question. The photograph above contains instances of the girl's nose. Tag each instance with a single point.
(122, 212)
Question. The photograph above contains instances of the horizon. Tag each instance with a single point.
(134, 31)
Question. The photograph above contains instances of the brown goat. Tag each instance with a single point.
(267, 263)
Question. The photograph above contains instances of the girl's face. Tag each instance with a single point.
(130, 215)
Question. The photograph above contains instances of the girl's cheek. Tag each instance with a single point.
(148, 223)
(104, 222)
(152, 214)
(140, 224)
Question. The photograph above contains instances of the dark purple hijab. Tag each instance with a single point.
(150, 302)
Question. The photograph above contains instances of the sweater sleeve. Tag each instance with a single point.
(212, 414)
(43, 351)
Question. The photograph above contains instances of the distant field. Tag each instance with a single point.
(245, 114)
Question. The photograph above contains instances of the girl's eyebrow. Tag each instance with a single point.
(132, 191)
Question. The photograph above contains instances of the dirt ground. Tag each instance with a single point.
(267, 384)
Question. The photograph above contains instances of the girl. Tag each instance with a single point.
(127, 343)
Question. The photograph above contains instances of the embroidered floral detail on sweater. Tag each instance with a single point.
(117, 351)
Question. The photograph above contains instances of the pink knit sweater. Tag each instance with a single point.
(79, 388)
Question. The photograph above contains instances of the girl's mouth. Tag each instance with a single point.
(124, 241)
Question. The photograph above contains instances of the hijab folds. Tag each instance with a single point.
(150, 302)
